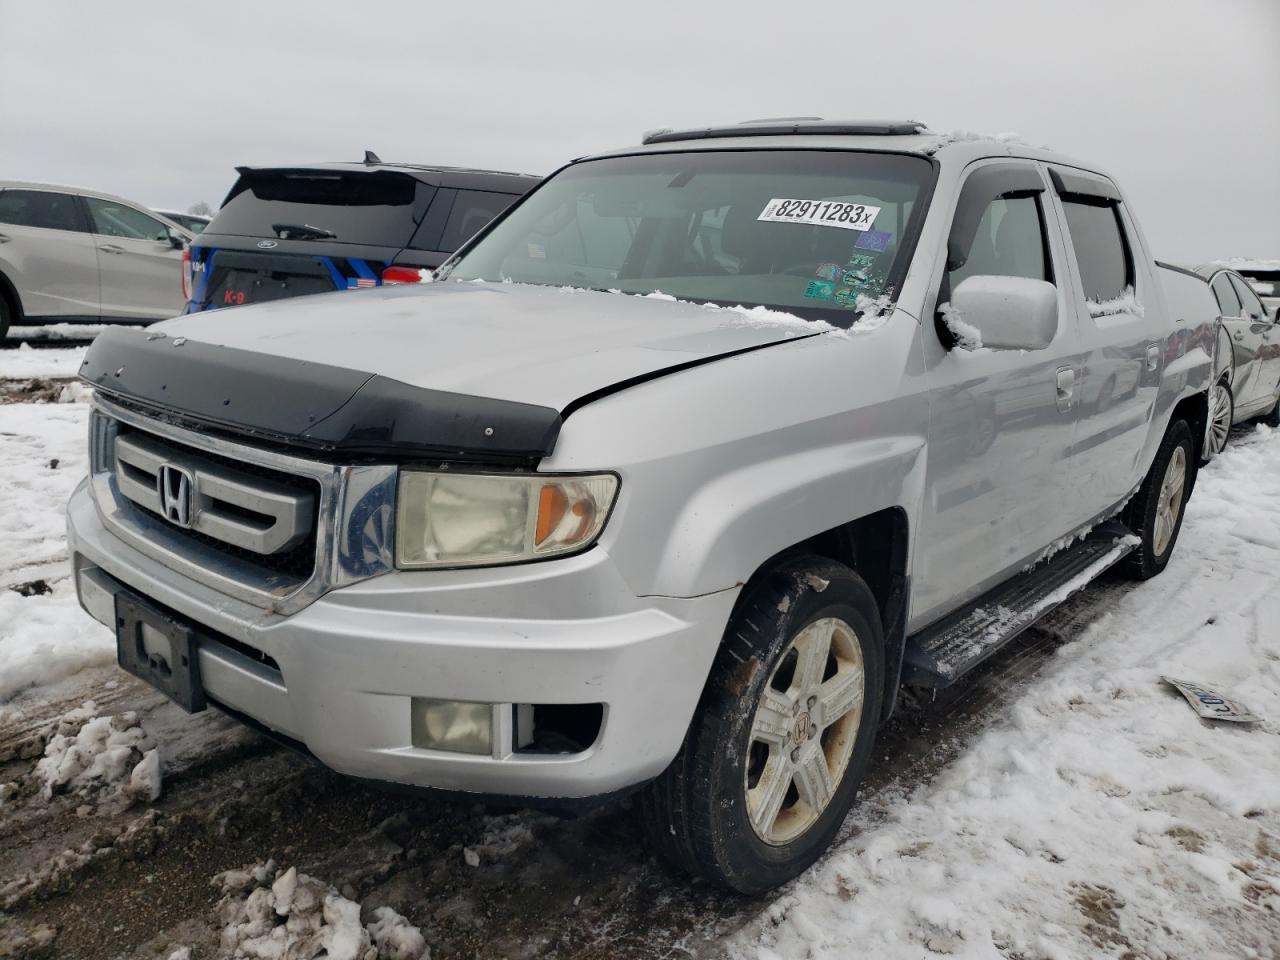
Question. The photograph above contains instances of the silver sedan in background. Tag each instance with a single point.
(69, 255)
(1249, 355)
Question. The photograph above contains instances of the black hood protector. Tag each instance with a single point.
(332, 411)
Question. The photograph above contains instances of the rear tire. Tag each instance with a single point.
(1272, 419)
(6, 315)
(783, 734)
(1156, 510)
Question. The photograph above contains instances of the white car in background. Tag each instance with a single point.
(69, 255)
(194, 222)
(1248, 384)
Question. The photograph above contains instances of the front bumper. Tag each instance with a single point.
(346, 666)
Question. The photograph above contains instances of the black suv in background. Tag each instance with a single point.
(287, 231)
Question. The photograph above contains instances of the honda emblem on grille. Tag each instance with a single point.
(177, 494)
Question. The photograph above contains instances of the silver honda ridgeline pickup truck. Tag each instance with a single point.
(680, 471)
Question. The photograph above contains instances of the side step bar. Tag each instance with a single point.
(941, 654)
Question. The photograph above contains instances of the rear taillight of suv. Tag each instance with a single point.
(186, 273)
(396, 274)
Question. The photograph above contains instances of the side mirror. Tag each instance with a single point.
(177, 240)
(1008, 313)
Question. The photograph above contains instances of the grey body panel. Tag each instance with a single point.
(539, 345)
(722, 465)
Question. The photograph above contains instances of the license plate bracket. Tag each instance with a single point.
(159, 648)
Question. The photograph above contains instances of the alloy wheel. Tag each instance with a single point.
(804, 730)
(1169, 507)
(1220, 424)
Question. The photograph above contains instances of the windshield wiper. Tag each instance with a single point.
(302, 231)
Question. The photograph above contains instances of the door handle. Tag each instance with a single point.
(1066, 382)
(110, 248)
(3, 238)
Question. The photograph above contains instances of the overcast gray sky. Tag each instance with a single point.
(158, 101)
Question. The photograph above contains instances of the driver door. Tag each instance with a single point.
(1001, 421)
(139, 265)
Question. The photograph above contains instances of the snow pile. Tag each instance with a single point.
(44, 635)
(873, 311)
(967, 136)
(1127, 302)
(91, 754)
(1099, 817)
(25, 363)
(1247, 263)
(968, 337)
(268, 914)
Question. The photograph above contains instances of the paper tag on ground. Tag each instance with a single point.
(826, 213)
(1210, 705)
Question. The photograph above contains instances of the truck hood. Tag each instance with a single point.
(542, 345)
(452, 369)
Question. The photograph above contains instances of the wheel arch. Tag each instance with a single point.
(1195, 410)
(9, 292)
(875, 547)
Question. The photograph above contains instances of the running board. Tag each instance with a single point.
(941, 654)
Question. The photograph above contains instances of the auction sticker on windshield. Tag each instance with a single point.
(826, 213)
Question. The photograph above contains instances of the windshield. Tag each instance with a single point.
(808, 232)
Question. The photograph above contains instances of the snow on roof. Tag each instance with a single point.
(1247, 263)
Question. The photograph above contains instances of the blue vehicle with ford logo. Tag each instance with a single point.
(288, 231)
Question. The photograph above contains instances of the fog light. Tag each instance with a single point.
(453, 725)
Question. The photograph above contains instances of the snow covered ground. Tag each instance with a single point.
(24, 362)
(1092, 815)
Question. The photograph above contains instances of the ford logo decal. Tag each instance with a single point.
(266, 244)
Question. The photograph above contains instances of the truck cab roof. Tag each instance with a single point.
(816, 133)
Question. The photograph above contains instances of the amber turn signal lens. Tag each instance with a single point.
(551, 507)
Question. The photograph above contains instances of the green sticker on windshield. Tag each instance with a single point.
(820, 290)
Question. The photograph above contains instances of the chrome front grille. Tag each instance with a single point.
(265, 526)
(262, 514)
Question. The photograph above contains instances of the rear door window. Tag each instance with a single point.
(40, 208)
(1228, 302)
(1249, 301)
(1101, 248)
(379, 208)
(112, 219)
(472, 211)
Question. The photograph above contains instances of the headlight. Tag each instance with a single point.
(446, 519)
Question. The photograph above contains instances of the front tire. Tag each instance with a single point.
(783, 735)
(1156, 510)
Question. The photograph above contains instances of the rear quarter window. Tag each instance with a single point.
(471, 213)
(1101, 248)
